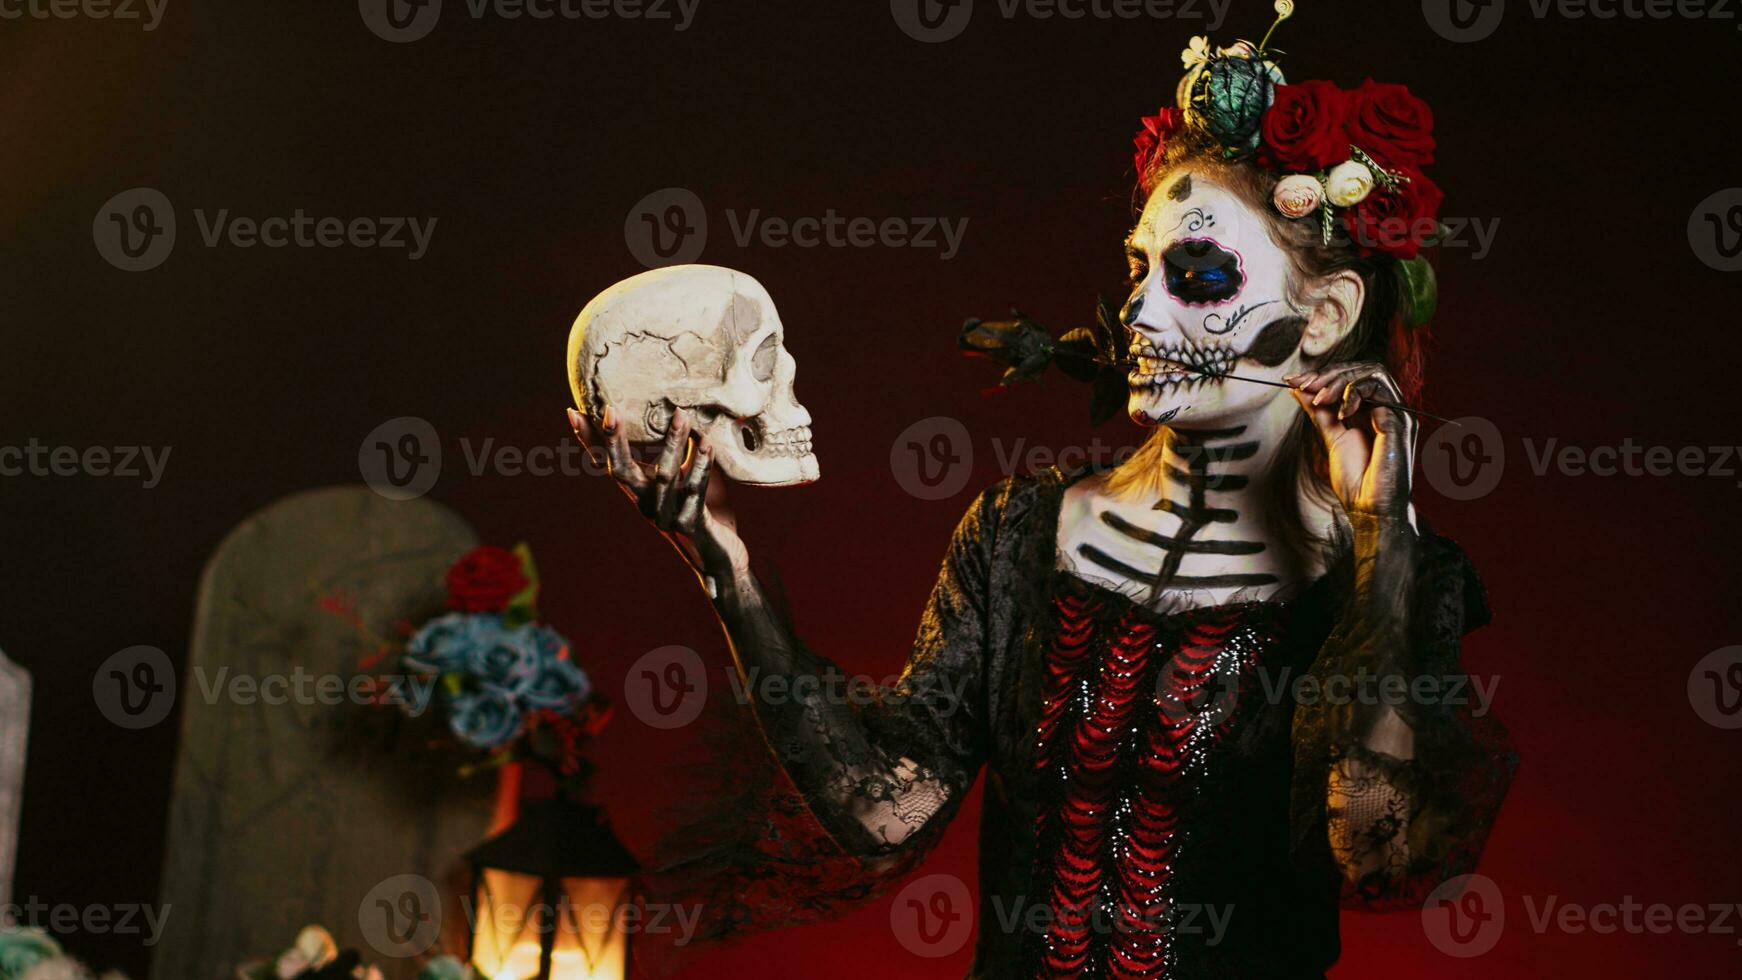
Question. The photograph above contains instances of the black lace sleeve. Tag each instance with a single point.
(1399, 767)
(821, 796)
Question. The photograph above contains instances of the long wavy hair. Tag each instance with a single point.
(1381, 333)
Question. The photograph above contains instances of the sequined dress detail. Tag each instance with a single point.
(1135, 707)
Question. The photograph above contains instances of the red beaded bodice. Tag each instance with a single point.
(1135, 707)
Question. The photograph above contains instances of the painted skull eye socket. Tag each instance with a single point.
(762, 362)
(1201, 272)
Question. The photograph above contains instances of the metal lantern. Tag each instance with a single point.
(551, 895)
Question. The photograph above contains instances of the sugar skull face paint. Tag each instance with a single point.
(1210, 298)
(1200, 272)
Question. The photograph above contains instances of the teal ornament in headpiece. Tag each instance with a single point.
(1228, 99)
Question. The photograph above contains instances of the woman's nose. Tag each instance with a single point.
(1133, 309)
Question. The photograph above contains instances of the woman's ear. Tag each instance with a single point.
(1334, 316)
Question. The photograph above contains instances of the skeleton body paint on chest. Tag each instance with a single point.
(1197, 541)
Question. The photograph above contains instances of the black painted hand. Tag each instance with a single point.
(676, 493)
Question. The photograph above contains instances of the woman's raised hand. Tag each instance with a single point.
(1371, 447)
(675, 493)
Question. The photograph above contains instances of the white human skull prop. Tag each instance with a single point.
(706, 340)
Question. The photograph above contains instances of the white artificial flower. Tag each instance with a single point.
(1349, 183)
(1196, 55)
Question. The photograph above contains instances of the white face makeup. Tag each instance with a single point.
(1211, 299)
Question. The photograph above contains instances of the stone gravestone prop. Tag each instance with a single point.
(283, 814)
(14, 737)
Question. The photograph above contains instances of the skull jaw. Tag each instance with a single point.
(748, 452)
(774, 471)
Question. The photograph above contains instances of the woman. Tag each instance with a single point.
(1185, 676)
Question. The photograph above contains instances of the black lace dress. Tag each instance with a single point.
(1159, 787)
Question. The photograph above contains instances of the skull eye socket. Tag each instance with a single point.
(762, 362)
(1201, 272)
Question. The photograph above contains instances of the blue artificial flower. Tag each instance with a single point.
(503, 658)
(444, 644)
(487, 718)
(559, 683)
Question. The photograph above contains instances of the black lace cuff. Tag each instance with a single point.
(1398, 808)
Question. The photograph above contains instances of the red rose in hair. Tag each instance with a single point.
(1397, 222)
(1393, 125)
(1151, 140)
(484, 580)
(1304, 129)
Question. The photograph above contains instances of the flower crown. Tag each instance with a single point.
(1352, 158)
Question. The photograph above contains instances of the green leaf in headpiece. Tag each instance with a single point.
(1421, 287)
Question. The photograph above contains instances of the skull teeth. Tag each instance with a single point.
(795, 441)
(1171, 364)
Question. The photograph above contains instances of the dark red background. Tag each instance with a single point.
(1590, 141)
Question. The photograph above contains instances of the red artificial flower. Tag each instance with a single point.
(1151, 140)
(1391, 124)
(1397, 222)
(1304, 130)
(484, 580)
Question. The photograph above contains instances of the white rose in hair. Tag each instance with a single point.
(1349, 184)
